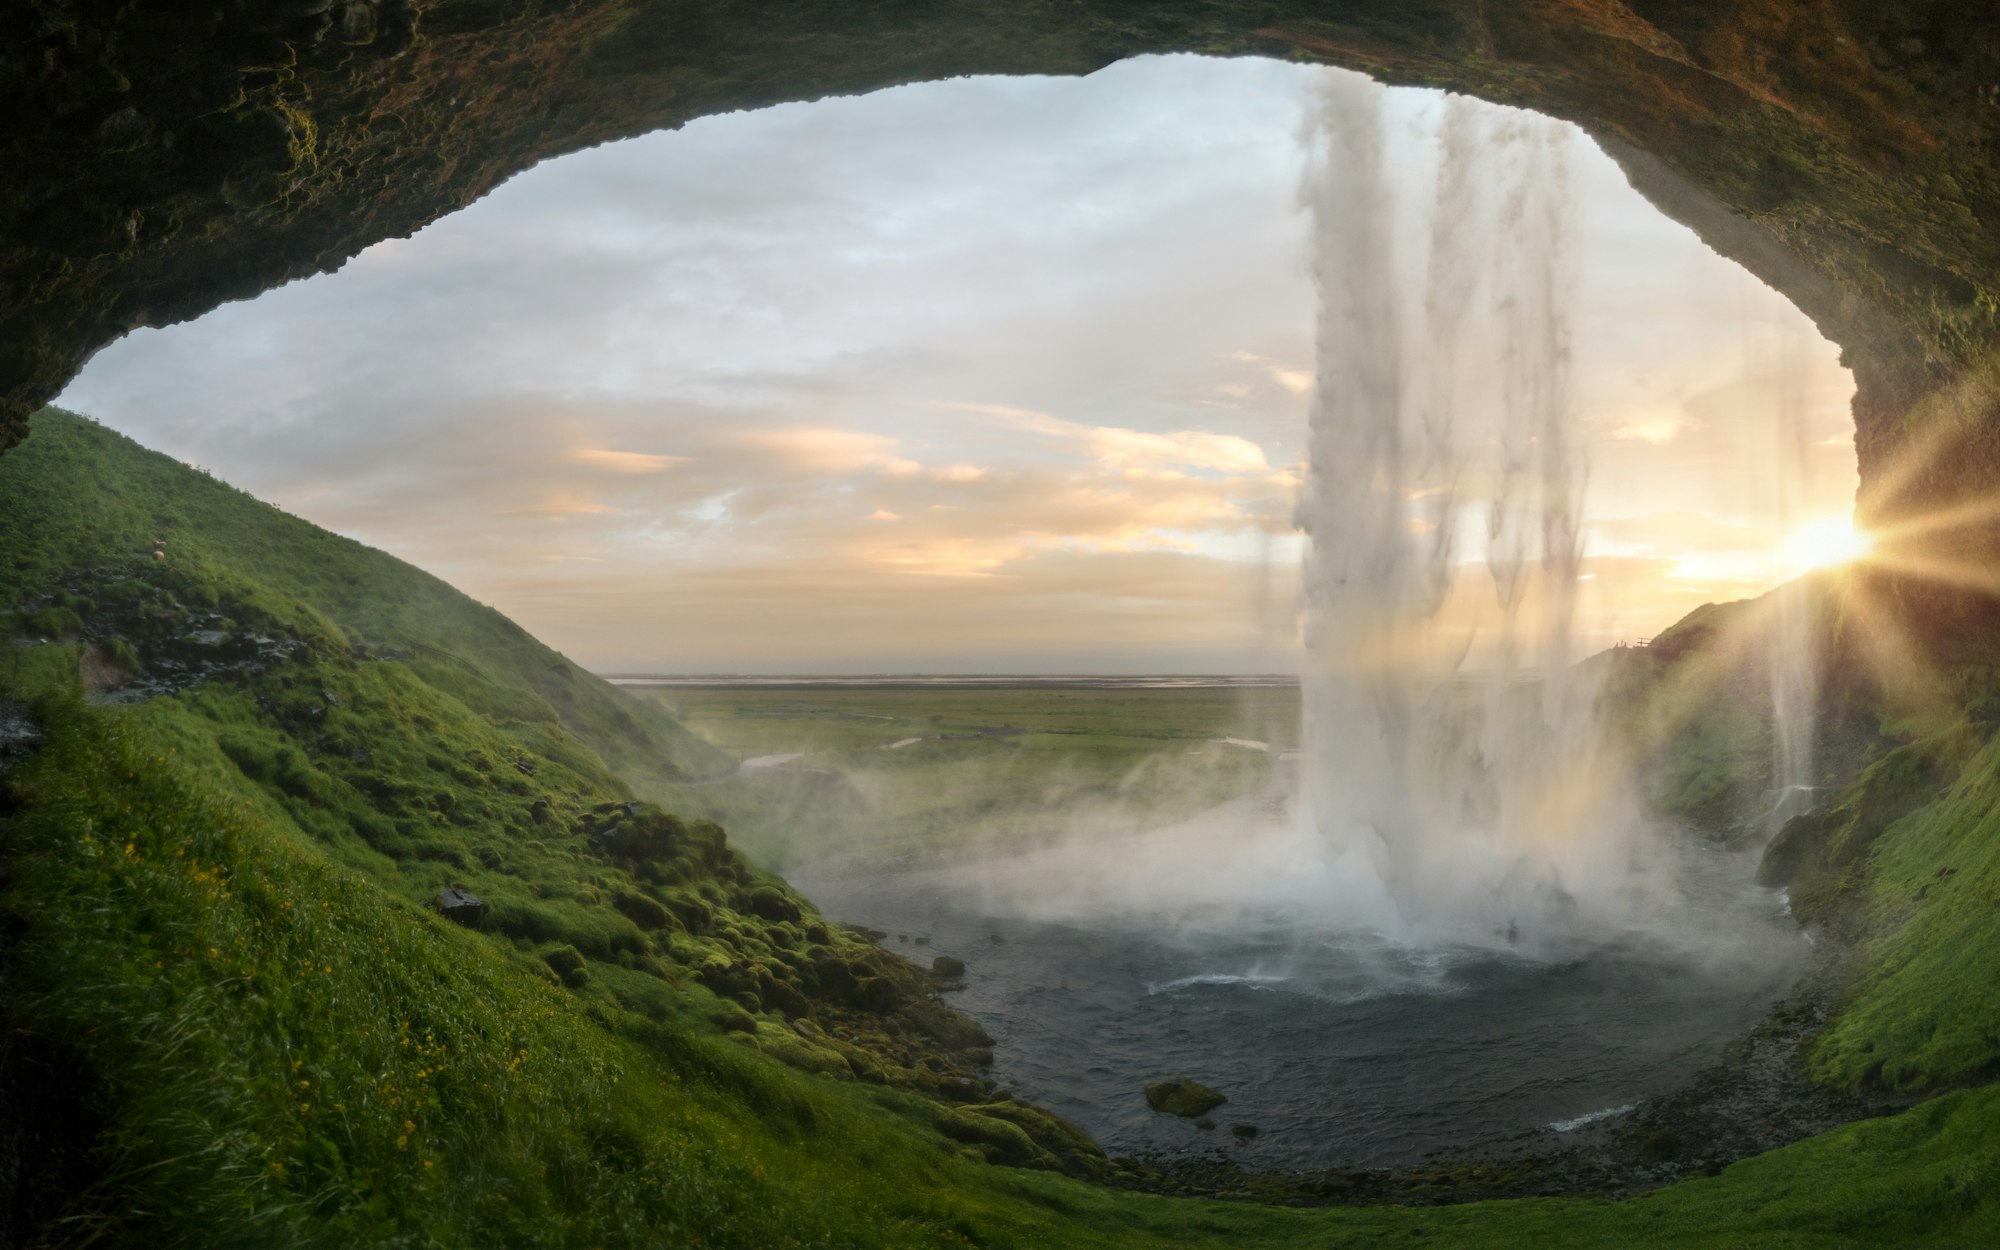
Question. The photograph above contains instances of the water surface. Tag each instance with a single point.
(1343, 1049)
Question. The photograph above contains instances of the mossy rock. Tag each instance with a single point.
(694, 913)
(864, 1066)
(771, 903)
(782, 996)
(876, 994)
(1187, 1099)
(998, 1141)
(568, 963)
(642, 911)
(732, 1018)
(726, 978)
(1078, 1153)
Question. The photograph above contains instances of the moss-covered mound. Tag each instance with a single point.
(1184, 1098)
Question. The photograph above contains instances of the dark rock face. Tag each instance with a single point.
(461, 906)
(165, 158)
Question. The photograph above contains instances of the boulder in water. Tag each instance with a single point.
(1187, 1099)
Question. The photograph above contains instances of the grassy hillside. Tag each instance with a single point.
(232, 1020)
(85, 508)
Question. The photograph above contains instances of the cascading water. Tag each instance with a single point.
(1793, 654)
(1456, 933)
(1452, 752)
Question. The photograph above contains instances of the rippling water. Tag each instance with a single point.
(1343, 1049)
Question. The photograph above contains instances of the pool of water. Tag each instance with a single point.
(1342, 1048)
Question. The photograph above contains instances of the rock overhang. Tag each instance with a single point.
(165, 162)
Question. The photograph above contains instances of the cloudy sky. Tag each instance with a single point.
(984, 375)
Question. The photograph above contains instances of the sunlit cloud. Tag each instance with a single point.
(1297, 381)
(1119, 447)
(829, 450)
(1664, 533)
(560, 508)
(1655, 430)
(633, 462)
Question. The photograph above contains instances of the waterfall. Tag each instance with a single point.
(1792, 645)
(1450, 745)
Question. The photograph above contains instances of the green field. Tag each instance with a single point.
(988, 766)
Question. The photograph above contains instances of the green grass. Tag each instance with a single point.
(284, 1054)
(1924, 1012)
(220, 953)
(761, 721)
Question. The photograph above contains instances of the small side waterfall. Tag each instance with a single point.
(1793, 654)
(1451, 749)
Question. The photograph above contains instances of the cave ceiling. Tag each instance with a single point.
(162, 158)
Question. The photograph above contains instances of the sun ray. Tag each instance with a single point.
(1942, 422)
(1890, 536)
(1943, 570)
(1904, 677)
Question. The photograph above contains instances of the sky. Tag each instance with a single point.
(986, 375)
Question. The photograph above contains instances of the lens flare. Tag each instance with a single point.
(1824, 543)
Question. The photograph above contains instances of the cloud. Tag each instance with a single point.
(1052, 612)
(1297, 381)
(1655, 533)
(560, 508)
(1655, 430)
(826, 449)
(623, 461)
(1119, 447)
(1005, 412)
(668, 400)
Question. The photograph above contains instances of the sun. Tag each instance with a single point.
(1824, 543)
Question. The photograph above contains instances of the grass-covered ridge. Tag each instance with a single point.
(241, 1025)
(1906, 865)
(86, 507)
